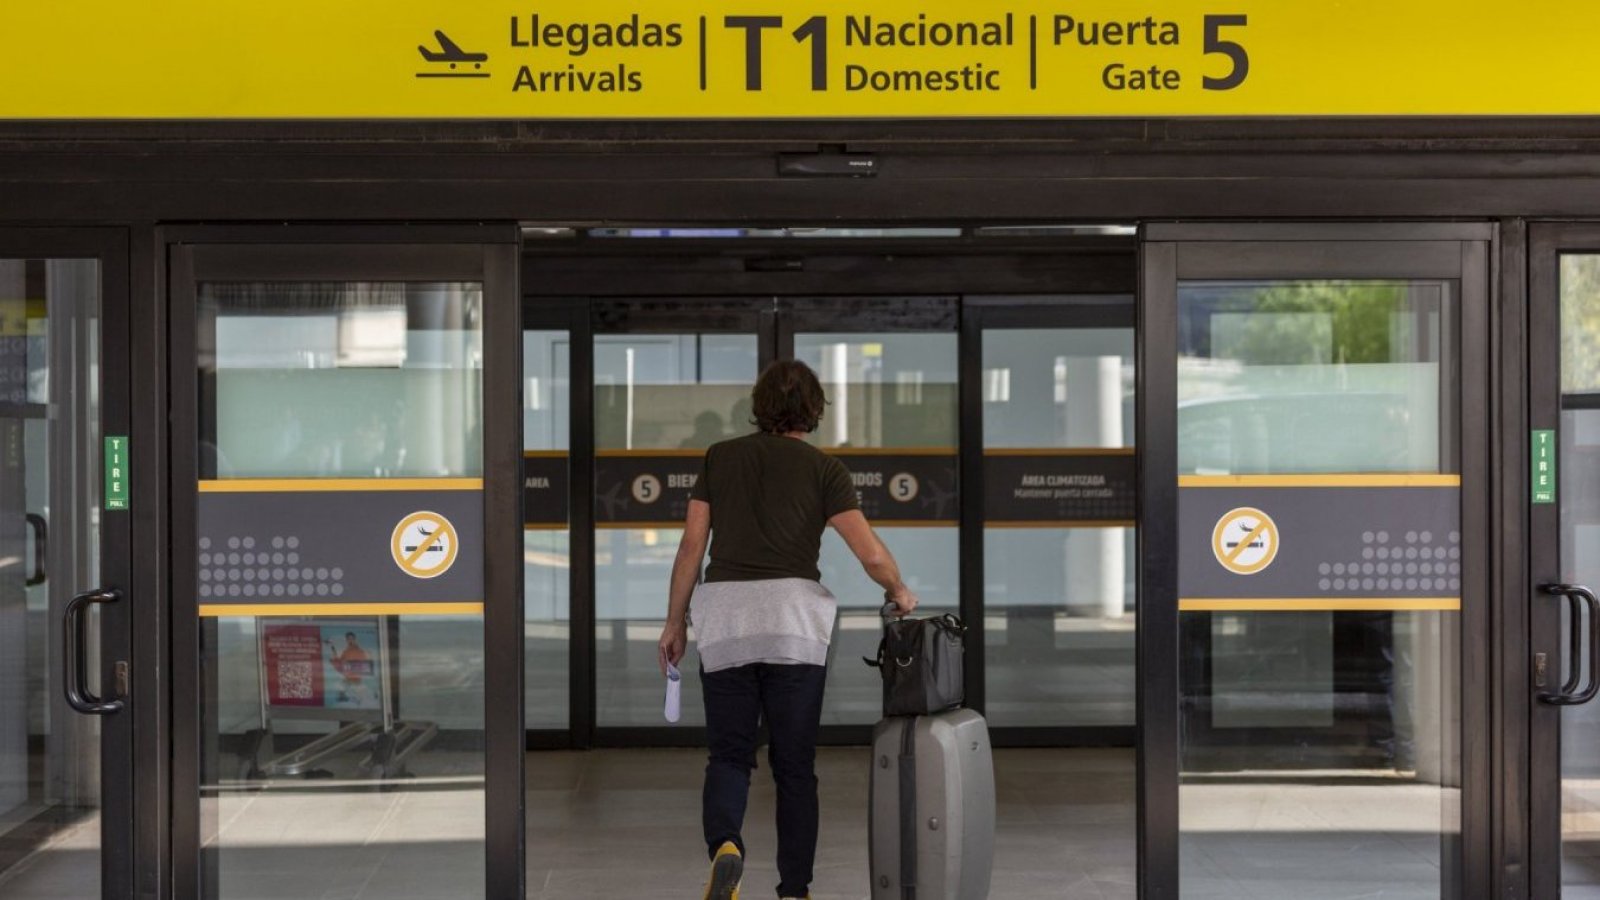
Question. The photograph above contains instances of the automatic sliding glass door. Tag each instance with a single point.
(1323, 574)
(350, 572)
(670, 380)
(1059, 502)
(1564, 546)
(890, 369)
(65, 750)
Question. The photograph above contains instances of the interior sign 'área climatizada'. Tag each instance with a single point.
(676, 59)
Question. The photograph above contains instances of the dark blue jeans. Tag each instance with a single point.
(789, 700)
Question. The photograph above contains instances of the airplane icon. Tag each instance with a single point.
(451, 54)
(613, 501)
(936, 497)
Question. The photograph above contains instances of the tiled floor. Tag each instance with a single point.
(65, 870)
(615, 824)
(602, 825)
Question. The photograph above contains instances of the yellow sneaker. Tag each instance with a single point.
(727, 868)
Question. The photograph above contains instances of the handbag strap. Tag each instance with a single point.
(883, 649)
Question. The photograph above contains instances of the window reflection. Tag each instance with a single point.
(655, 394)
(50, 498)
(305, 717)
(546, 546)
(886, 391)
(1331, 735)
(1059, 598)
(336, 380)
(1578, 471)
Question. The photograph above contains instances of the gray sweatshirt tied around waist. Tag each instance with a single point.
(788, 621)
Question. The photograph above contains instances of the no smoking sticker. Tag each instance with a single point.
(424, 545)
(1245, 541)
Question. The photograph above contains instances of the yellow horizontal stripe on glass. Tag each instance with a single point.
(1319, 604)
(544, 454)
(878, 523)
(1325, 480)
(307, 485)
(664, 452)
(1066, 523)
(837, 451)
(890, 451)
(218, 610)
(1059, 451)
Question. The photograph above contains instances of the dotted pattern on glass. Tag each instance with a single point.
(1416, 562)
(239, 567)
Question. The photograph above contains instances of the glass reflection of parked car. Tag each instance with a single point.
(1302, 432)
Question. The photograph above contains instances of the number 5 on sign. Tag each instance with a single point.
(1231, 49)
(903, 487)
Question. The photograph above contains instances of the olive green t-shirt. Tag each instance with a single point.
(771, 496)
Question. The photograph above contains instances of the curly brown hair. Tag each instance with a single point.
(787, 398)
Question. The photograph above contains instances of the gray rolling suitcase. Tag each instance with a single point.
(932, 811)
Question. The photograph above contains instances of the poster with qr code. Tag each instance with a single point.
(321, 665)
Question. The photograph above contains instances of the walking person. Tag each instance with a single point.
(762, 619)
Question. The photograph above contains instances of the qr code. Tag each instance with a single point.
(295, 680)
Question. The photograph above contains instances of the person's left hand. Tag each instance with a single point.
(674, 643)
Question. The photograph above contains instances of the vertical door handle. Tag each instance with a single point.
(75, 655)
(1582, 684)
(41, 543)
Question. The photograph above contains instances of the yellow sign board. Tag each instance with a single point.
(818, 59)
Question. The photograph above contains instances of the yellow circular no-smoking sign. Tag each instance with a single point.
(1245, 540)
(424, 545)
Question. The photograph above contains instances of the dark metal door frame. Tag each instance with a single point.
(124, 821)
(1171, 253)
(487, 254)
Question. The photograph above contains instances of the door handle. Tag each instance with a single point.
(75, 658)
(41, 542)
(1583, 684)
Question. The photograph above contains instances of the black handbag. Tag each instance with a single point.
(921, 661)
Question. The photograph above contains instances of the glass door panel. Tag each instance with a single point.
(660, 399)
(1325, 540)
(547, 535)
(1059, 560)
(1338, 704)
(52, 792)
(893, 419)
(348, 553)
(1577, 475)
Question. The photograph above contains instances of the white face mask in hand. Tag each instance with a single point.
(674, 708)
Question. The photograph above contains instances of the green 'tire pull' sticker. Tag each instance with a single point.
(1544, 466)
(117, 472)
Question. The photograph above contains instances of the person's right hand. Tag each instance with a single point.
(903, 600)
(674, 643)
